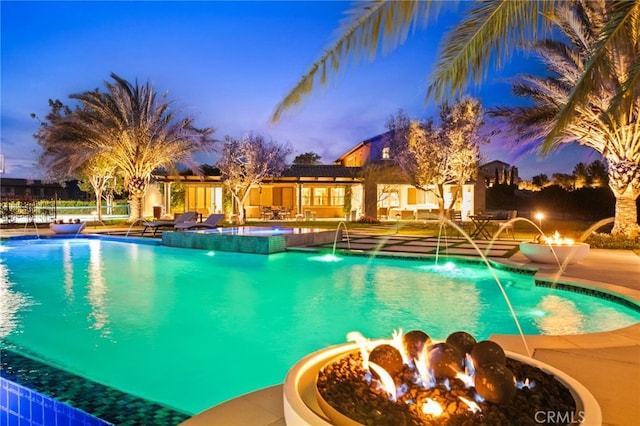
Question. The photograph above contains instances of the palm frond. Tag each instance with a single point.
(370, 26)
(489, 34)
(622, 23)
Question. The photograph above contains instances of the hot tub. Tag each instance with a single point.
(250, 239)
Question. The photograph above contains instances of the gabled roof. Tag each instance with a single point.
(495, 163)
(321, 170)
(376, 143)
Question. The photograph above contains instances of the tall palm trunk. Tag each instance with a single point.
(624, 181)
(137, 189)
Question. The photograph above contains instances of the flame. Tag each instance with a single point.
(473, 407)
(427, 379)
(357, 337)
(385, 380)
(558, 240)
(396, 342)
(467, 379)
(526, 384)
(431, 407)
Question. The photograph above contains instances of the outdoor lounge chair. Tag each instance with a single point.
(184, 217)
(209, 223)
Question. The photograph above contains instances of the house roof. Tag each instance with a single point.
(321, 170)
(376, 143)
(494, 163)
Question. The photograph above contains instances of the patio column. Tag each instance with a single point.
(167, 198)
(299, 201)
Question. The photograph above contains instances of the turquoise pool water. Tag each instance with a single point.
(190, 328)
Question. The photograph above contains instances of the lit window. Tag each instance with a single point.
(385, 153)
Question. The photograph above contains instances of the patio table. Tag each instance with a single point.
(480, 222)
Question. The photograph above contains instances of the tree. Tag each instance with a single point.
(601, 121)
(131, 125)
(434, 155)
(308, 158)
(597, 172)
(248, 162)
(563, 180)
(486, 36)
(580, 176)
(100, 173)
(65, 159)
(540, 180)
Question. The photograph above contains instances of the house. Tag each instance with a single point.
(318, 191)
(388, 193)
(363, 181)
(496, 171)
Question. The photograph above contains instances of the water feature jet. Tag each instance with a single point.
(132, 224)
(35, 226)
(335, 240)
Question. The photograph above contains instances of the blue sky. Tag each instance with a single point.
(229, 64)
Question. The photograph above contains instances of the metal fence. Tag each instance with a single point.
(30, 210)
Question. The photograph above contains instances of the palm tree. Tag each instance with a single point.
(487, 35)
(134, 127)
(601, 122)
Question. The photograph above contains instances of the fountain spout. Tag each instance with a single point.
(35, 226)
(335, 239)
(132, 225)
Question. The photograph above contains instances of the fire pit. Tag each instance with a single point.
(351, 385)
(555, 250)
(71, 227)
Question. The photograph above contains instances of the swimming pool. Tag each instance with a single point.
(191, 328)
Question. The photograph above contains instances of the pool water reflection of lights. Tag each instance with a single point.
(190, 329)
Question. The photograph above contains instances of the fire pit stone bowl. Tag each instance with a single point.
(554, 250)
(303, 406)
(67, 228)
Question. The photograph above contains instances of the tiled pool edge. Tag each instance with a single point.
(69, 390)
(590, 291)
(20, 405)
(246, 243)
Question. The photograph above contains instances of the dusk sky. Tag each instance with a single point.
(229, 64)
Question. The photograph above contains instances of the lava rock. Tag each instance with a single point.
(495, 383)
(445, 360)
(387, 357)
(487, 352)
(462, 341)
(414, 342)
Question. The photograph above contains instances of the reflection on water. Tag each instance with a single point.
(67, 266)
(560, 316)
(97, 289)
(10, 303)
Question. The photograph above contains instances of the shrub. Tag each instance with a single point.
(608, 241)
(367, 219)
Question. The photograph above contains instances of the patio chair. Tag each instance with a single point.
(455, 217)
(182, 218)
(210, 222)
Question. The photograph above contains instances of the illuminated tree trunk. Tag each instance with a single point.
(624, 181)
(137, 188)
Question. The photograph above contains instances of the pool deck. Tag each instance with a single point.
(608, 363)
